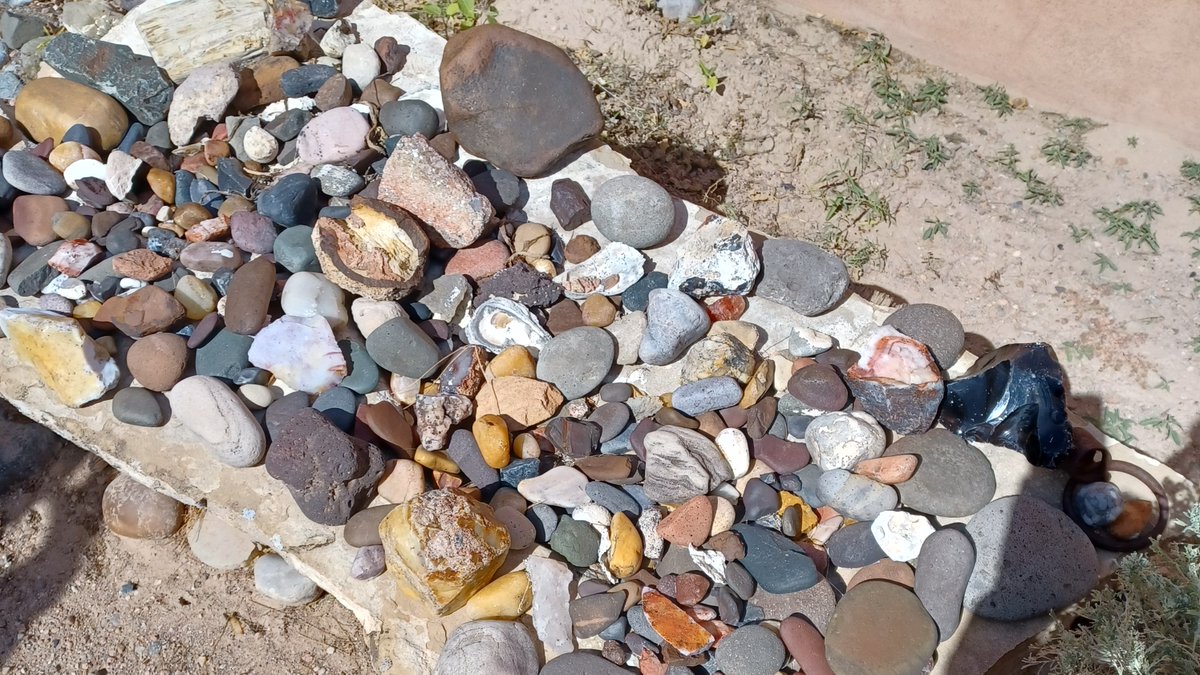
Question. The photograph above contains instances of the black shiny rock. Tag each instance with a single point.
(1015, 397)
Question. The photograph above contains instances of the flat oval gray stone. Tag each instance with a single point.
(711, 393)
(855, 496)
(802, 276)
(751, 650)
(854, 546)
(633, 210)
(953, 479)
(488, 647)
(777, 563)
(138, 407)
(1030, 558)
(943, 570)
(577, 361)
(934, 326)
(582, 663)
(400, 346)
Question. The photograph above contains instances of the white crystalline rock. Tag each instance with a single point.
(840, 440)
(805, 342)
(300, 351)
(735, 449)
(711, 563)
(595, 275)
(717, 258)
(900, 534)
(551, 583)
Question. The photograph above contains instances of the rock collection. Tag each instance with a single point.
(300, 259)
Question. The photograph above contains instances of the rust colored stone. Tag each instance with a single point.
(726, 308)
(888, 470)
(144, 312)
(689, 524)
(208, 230)
(249, 296)
(377, 252)
(674, 625)
(1133, 520)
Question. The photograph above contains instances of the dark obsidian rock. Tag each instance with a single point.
(306, 79)
(183, 187)
(517, 471)
(569, 203)
(1014, 396)
(637, 297)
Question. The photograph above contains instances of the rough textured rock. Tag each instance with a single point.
(673, 323)
(943, 570)
(114, 69)
(378, 251)
(897, 382)
(67, 361)
(419, 180)
(935, 327)
(522, 402)
(483, 647)
(442, 548)
(205, 94)
(1030, 558)
(515, 100)
(158, 361)
(800, 275)
(717, 258)
(577, 361)
(778, 564)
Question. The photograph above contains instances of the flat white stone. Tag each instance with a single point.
(735, 449)
(551, 582)
(301, 351)
(900, 534)
(562, 486)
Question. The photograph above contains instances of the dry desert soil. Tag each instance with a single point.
(800, 128)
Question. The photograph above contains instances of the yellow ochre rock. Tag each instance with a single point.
(68, 362)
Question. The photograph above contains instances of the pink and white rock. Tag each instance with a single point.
(897, 381)
(437, 415)
(333, 136)
(204, 95)
(301, 351)
(311, 294)
(901, 534)
(122, 173)
(610, 272)
(419, 180)
(73, 257)
(67, 361)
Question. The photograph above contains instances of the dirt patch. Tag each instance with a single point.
(819, 132)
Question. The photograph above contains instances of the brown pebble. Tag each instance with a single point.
(598, 311)
(689, 524)
(1133, 519)
(606, 467)
(690, 588)
(32, 217)
(446, 145)
(884, 570)
(729, 544)
(190, 214)
(205, 328)
(249, 296)
(162, 183)
(805, 644)
(146, 311)
(710, 423)
(335, 93)
(889, 470)
(158, 361)
(563, 316)
(580, 248)
(673, 418)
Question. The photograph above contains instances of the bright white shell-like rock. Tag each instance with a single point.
(301, 351)
(718, 258)
(500, 323)
(610, 272)
(839, 440)
(900, 534)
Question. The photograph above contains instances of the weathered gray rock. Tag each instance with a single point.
(488, 647)
(279, 581)
(681, 464)
(674, 323)
(943, 570)
(713, 393)
(751, 650)
(717, 258)
(777, 563)
(134, 80)
(577, 361)
(953, 478)
(855, 496)
(1030, 558)
(802, 276)
(633, 210)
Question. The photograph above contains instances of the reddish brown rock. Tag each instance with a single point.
(142, 264)
(380, 91)
(259, 84)
(158, 361)
(806, 645)
(390, 424)
(208, 230)
(691, 588)
(377, 252)
(144, 312)
(516, 100)
(674, 625)
(889, 470)
(32, 217)
(419, 180)
(689, 524)
(480, 261)
(329, 473)
(884, 570)
(335, 93)
(464, 373)
(580, 248)
(211, 256)
(563, 316)
(249, 296)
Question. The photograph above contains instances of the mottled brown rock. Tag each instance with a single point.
(390, 424)
(805, 644)
(377, 252)
(442, 548)
(880, 628)
(580, 248)
(884, 570)
(249, 296)
(689, 524)
(516, 100)
(522, 402)
(259, 84)
(334, 93)
(888, 470)
(133, 510)
(158, 361)
(208, 230)
(32, 217)
(380, 91)
(674, 625)
(211, 256)
(329, 473)
(144, 312)
(464, 373)
(419, 180)
(142, 264)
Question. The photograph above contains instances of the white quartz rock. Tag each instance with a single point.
(900, 534)
(301, 351)
(311, 294)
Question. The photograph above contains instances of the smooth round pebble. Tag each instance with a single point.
(633, 210)
(279, 581)
(933, 326)
(751, 650)
(138, 407)
(577, 361)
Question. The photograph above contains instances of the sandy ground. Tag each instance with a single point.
(761, 147)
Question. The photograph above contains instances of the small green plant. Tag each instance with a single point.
(936, 226)
(845, 198)
(1190, 170)
(1120, 287)
(1194, 205)
(1145, 622)
(1077, 125)
(1163, 383)
(451, 16)
(875, 51)
(933, 153)
(1114, 424)
(704, 25)
(1165, 424)
(1131, 223)
(854, 116)
(712, 83)
(997, 99)
(1066, 152)
(803, 105)
(1132, 141)
(971, 189)
(1076, 351)
(930, 96)
(1103, 262)
(1078, 234)
(1039, 191)
(1008, 157)
(1195, 344)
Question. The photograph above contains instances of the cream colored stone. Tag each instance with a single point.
(67, 361)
